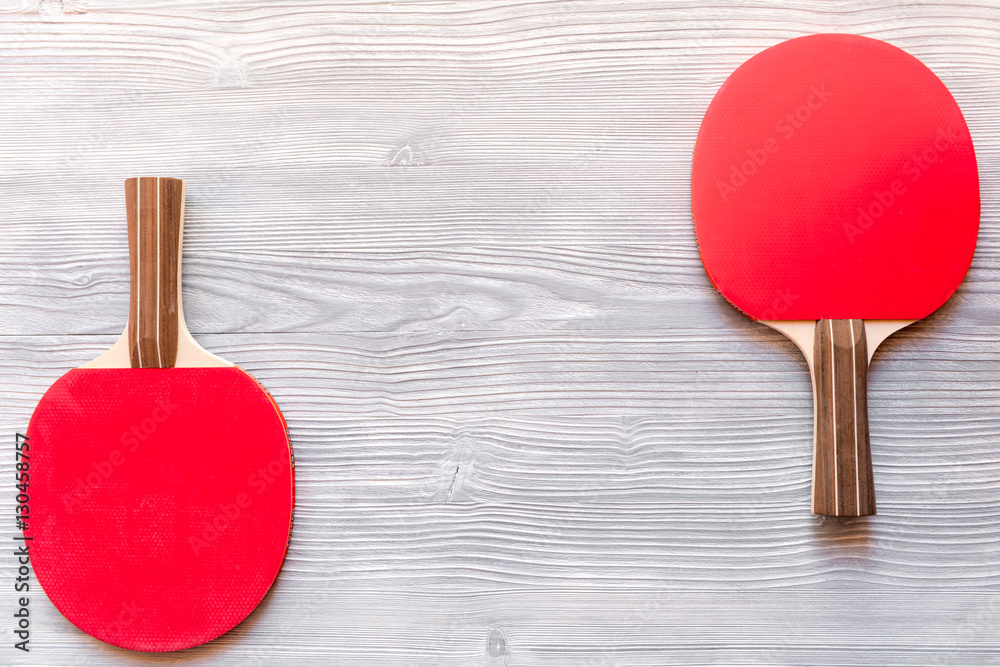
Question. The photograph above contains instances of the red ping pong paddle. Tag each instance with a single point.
(835, 197)
(161, 485)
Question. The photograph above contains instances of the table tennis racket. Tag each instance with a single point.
(161, 481)
(835, 198)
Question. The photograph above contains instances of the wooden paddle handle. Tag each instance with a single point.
(155, 212)
(843, 483)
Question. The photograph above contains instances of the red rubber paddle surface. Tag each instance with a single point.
(160, 501)
(834, 177)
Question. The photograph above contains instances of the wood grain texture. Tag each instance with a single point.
(454, 241)
(843, 483)
(154, 208)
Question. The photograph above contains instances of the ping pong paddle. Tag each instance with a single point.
(835, 198)
(161, 481)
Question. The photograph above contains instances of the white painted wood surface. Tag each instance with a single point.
(454, 240)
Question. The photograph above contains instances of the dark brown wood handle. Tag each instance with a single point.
(155, 209)
(843, 484)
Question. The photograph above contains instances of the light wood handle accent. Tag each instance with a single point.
(843, 483)
(155, 212)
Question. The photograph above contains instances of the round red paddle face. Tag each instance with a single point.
(834, 177)
(160, 501)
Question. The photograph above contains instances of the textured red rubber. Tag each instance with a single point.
(834, 177)
(161, 501)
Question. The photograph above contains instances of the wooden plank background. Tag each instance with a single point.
(454, 240)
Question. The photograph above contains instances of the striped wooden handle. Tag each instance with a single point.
(155, 211)
(843, 483)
